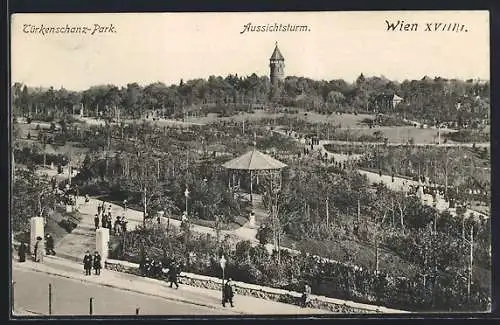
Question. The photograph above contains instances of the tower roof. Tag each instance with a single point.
(277, 54)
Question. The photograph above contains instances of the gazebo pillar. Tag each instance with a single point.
(250, 161)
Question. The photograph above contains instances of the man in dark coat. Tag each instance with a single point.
(104, 221)
(124, 224)
(110, 222)
(157, 269)
(87, 263)
(117, 226)
(22, 252)
(49, 244)
(172, 275)
(96, 221)
(97, 263)
(142, 263)
(228, 293)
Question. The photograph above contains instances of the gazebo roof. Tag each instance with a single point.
(254, 160)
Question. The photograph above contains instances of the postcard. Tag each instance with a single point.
(250, 163)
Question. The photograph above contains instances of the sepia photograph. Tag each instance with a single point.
(250, 163)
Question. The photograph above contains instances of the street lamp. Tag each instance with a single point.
(40, 208)
(223, 266)
(186, 194)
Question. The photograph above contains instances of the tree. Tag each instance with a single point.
(32, 195)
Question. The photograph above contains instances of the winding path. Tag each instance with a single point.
(399, 183)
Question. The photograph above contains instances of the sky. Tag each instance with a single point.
(167, 47)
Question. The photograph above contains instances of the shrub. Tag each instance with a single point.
(264, 234)
(67, 225)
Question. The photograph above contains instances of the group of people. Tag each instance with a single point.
(92, 262)
(104, 218)
(40, 248)
(154, 268)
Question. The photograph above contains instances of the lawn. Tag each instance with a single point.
(347, 122)
(400, 134)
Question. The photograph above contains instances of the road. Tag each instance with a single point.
(397, 144)
(71, 297)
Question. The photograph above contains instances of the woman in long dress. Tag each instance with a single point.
(39, 249)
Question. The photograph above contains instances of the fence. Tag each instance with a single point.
(280, 295)
(23, 311)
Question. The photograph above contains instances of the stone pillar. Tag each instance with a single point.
(36, 230)
(102, 242)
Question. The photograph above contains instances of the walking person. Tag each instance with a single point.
(109, 222)
(21, 252)
(87, 199)
(97, 263)
(39, 249)
(123, 224)
(228, 294)
(49, 244)
(104, 222)
(172, 275)
(125, 204)
(87, 263)
(142, 264)
(96, 221)
(117, 226)
(305, 295)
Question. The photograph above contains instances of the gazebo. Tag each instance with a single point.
(256, 163)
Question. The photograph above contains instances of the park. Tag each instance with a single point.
(375, 192)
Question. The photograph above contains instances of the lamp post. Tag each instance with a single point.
(186, 194)
(223, 266)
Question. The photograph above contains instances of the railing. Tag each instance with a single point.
(22, 311)
(280, 295)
